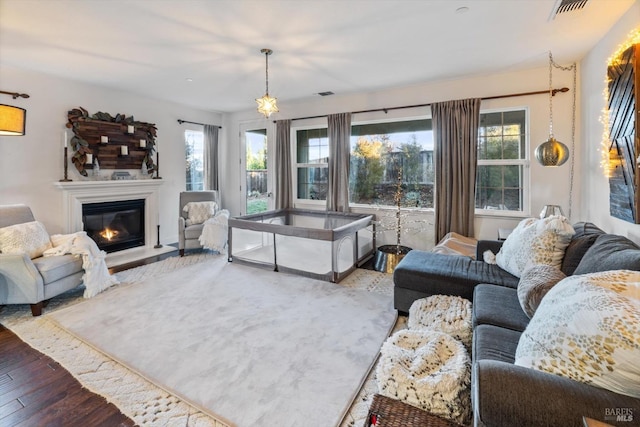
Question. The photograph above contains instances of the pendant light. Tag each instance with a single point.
(266, 104)
(551, 152)
(12, 119)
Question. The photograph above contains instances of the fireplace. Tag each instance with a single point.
(117, 225)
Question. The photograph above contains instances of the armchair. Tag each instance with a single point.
(188, 235)
(32, 281)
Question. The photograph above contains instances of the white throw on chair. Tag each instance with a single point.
(191, 221)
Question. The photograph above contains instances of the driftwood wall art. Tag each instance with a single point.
(101, 137)
(624, 90)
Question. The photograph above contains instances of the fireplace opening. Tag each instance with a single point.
(115, 226)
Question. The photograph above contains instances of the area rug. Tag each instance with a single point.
(141, 400)
(247, 346)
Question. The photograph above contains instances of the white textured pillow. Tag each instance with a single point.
(535, 241)
(29, 237)
(587, 328)
(199, 212)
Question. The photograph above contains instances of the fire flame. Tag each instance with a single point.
(108, 233)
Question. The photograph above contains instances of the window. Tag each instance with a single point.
(312, 157)
(194, 146)
(502, 148)
(379, 152)
(387, 155)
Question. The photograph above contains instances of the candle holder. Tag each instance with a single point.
(66, 167)
(131, 129)
(158, 245)
(157, 167)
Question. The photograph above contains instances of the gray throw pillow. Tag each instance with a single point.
(534, 284)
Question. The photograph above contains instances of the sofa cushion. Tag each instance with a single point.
(610, 252)
(535, 241)
(193, 231)
(27, 237)
(587, 328)
(585, 237)
(498, 306)
(494, 343)
(534, 284)
(433, 274)
(54, 268)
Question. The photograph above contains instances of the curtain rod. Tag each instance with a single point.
(196, 123)
(511, 95)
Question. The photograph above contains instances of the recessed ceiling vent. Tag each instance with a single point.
(566, 6)
(327, 93)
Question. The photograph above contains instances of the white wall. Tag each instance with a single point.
(548, 185)
(30, 164)
(595, 196)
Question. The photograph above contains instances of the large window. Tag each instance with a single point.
(194, 146)
(389, 160)
(502, 148)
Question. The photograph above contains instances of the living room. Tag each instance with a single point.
(32, 165)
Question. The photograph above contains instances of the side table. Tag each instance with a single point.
(386, 412)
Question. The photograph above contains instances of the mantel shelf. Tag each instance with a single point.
(108, 184)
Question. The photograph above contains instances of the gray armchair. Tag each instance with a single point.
(188, 235)
(32, 281)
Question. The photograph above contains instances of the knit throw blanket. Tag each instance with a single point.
(96, 274)
(214, 232)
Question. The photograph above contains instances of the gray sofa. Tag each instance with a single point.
(504, 394)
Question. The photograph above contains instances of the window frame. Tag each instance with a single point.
(296, 165)
(525, 163)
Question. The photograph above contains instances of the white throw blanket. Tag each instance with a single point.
(96, 274)
(214, 232)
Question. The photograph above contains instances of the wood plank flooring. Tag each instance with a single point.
(36, 391)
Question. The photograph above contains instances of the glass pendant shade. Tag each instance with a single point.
(552, 152)
(12, 120)
(267, 105)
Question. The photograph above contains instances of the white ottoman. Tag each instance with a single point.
(443, 313)
(429, 370)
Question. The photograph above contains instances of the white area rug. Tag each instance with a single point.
(147, 404)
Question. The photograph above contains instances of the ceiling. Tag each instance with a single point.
(206, 53)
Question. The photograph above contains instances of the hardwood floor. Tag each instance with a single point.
(36, 391)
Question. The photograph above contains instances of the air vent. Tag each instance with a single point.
(565, 6)
(327, 93)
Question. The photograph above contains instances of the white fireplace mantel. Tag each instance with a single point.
(77, 193)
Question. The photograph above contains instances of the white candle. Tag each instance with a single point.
(104, 139)
(143, 143)
(64, 137)
(124, 150)
(89, 159)
(130, 129)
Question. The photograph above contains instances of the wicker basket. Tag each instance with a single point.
(386, 412)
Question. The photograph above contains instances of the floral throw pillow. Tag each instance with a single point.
(533, 242)
(587, 328)
(29, 237)
(199, 212)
